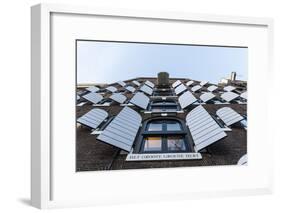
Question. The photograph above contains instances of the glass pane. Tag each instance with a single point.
(164, 108)
(170, 102)
(163, 93)
(157, 109)
(155, 127)
(171, 108)
(173, 126)
(175, 143)
(153, 144)
(158, 102)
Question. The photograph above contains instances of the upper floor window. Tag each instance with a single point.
(163, 92)
(164, 126)
(164, 106)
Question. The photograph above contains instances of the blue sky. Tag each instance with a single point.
(108, 62)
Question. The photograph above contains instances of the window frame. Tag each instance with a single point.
(168, 91)
(163, 104)
(164, 134)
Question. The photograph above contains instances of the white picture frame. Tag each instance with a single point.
(42, 177)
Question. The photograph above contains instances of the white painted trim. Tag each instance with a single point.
(176, 16)
(40, 107)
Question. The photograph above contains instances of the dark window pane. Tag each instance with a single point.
(158, 102)
(163, 108)
(157, 109)
(155, 127)
(170, 102)
(175, 143)
(173, 126)
(171, 108)
(153, 144)
(162, 93)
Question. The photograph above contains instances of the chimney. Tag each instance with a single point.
(163, 79)
(233, 76)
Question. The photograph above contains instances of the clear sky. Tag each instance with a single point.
(108, 62)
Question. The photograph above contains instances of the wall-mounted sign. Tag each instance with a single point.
(166, 156)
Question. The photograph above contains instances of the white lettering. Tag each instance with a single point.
(166, 156)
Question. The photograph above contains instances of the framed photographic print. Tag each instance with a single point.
(133, 106)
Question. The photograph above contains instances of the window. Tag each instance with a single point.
(106, 101)
(164, 136)
(164, 106)
(152, 144)
(175, 143)
(155, 126)
(163, 92)
(173, 126)
(218, 121)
